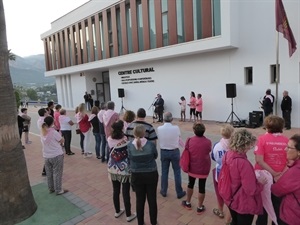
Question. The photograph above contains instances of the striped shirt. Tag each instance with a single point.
(150, 131)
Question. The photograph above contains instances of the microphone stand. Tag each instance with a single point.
(152, 104)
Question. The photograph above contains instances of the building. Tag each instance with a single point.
(173, 47)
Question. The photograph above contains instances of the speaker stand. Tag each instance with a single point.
(232, 114)
(122, 108)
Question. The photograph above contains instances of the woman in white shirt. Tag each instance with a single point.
(53, 155)
(66, 129)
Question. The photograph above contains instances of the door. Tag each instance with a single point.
(103, 88)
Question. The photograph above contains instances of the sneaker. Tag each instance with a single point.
(28, 142)
(62, 192)
(200, 210)
(85, 155)
(82, 152)
(186, 205)
(43, 174)
(130, 218)
(23, 147)
(89, 154)
(117, 215)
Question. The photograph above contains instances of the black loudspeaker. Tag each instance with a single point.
(260, 116)
(254, 120)
(230, 90)
(121, 92)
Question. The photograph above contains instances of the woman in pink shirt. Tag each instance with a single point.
(199, 107)
(192, 106)
(245, 188)
(199, 148)
(288, 185)
(53, 155)
(56, 117)
(270, 155)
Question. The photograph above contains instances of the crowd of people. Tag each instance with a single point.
(129, 145)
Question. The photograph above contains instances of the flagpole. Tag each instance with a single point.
(277, 72)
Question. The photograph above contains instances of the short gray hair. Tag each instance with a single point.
(110, 105)
(168, 117)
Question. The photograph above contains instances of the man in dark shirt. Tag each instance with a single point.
(286, 107)
(159, 107)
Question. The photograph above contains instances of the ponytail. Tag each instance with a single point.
(44, 129)
(138, 143)
(48, 122)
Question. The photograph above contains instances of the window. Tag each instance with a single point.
(103, 50)
(197, 20)
(248, 75)
(180, 20)
(273, 73)
(110, 35)
(87, 44)
(94, 38)
(140, 24)
(152, 24)
(119, 32)
(165, 28)
(216, 12)
(129, 25)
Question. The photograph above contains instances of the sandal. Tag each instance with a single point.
(218, 213)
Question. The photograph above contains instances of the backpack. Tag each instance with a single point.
(224, 183)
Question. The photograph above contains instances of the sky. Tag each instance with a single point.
(26, 20)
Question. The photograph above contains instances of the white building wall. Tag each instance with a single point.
(205, 66)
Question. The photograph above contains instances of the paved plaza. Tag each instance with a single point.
(90, 189)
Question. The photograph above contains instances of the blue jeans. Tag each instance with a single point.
(98, 143)
(167, 157)
(103, 147)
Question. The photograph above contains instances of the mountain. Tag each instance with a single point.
(29, 71)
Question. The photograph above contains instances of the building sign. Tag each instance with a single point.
(136, 76)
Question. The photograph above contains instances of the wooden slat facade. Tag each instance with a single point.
(124, 28)
(206, 19)
(146, 26)
(188, 20)
(158, 23)
(114, 31)
(172, 22)
(91, 39)
(98, 39)
(60, 45)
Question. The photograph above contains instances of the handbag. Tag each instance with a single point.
(185, 158)
(78, 131)
(119, 153)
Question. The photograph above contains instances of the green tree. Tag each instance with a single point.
(18, 98)
(31, 93)
(11, 56)
(16, 199)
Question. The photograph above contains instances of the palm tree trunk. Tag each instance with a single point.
(16, 199)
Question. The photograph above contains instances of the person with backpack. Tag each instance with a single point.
(237, 185)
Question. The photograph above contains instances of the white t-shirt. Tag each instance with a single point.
(51, 145)
(64, 122)
(168, 136)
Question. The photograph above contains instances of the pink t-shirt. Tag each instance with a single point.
(199, 105)
(192, 102)
(56, 120)
(51, 144)
(272, 148)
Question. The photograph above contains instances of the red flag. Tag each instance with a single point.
(282, 26)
